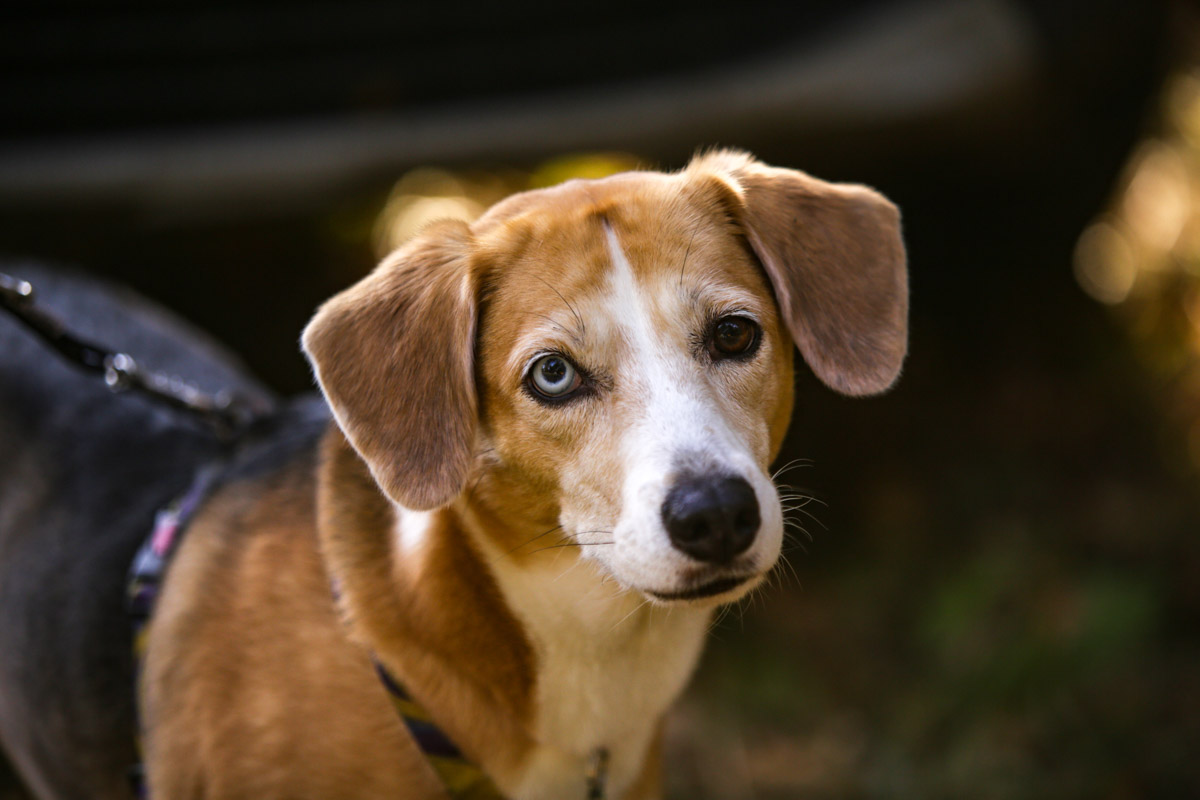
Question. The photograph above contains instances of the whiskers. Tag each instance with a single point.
(795, 502)
(632, 611)
(797, 506)
(796, 512)
(528, 542)
(561, 542)
(577, 543)
(795, 463)
(722, 614)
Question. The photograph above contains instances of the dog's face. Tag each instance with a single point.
(615, 357)
(634, 364)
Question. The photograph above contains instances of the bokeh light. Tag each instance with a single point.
(427, 194)
(1141, 256)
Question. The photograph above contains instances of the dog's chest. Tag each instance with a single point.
(608, 667)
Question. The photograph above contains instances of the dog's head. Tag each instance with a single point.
(615, 357)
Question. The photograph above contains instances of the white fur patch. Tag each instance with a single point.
(609, 664)
(412, 529)
(681, 421)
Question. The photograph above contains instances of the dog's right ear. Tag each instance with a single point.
(835, 257)
(393, 355)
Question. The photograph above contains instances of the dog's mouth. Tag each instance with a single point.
(702, 590)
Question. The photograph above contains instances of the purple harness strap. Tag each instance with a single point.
(146, 576)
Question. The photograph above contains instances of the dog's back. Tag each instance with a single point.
(82, 472)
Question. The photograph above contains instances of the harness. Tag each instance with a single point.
(228, 415)
(230, 418)
(146, 576)
(462, 779)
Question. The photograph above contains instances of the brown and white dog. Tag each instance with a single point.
(549, 466)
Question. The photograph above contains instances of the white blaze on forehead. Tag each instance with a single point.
(677, 422)
(673, 410)
(676, 410)
(627, 299)
(675, 419)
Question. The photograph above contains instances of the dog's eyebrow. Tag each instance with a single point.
(575, 335)
(579, 319)
(548, 335)
(715, 298)
(688, 252)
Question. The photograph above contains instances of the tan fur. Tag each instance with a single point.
(445, 484)
(428, 616)
(251, 687)
(836, 258)
(396, 346)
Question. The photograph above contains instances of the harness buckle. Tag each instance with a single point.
(597, 773)
(119, 372)
(14, 290)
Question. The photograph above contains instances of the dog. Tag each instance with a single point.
(542, 461)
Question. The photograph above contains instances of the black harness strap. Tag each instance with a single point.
(228, 415)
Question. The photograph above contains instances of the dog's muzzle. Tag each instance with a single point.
(712, 518)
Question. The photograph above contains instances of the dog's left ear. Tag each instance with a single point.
(835, 258)
(394, 357)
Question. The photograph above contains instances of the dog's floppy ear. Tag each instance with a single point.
(394, 357)
(834, 255)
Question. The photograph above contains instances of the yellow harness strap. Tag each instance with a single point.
(462, 779)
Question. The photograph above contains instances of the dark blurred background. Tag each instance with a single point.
(999, 589)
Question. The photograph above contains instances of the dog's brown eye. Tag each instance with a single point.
(732, 337)
(553, 377)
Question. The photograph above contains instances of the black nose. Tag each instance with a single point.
(711, 518)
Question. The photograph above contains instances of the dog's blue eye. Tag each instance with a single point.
(553, 376)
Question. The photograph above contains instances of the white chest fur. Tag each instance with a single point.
(608, 666)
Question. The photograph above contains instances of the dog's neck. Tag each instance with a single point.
(529, 661)
(608, 662)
